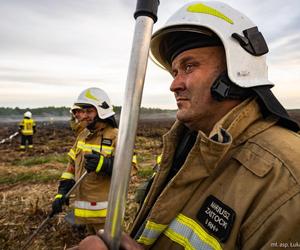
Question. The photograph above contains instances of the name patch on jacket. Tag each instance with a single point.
(107, 142)
(216, 217)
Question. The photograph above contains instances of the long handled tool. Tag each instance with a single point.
(42, 225)
(9, 138)
(145, 16)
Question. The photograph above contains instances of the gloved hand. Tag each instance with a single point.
(60, 199)
(93, 162)
(58, 203)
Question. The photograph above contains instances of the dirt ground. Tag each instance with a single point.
(29, 179)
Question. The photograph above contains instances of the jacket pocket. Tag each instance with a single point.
(256, 159)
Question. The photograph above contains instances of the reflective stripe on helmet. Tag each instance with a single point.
(202, 8)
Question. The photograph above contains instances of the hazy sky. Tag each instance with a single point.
(50, 50)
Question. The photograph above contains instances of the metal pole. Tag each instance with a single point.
(76, 184)
(145, 17)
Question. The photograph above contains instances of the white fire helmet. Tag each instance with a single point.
(28, 114)
(73, 108)
(244, 44)
(97, 98)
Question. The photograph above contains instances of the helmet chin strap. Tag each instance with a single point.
(223, 88)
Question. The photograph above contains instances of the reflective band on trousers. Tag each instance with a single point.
(182, 230)
(90, 209)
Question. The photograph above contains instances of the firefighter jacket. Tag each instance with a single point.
(91, 195)
(239, 188)
(27, 126)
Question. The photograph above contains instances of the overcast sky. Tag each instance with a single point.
(50, 50)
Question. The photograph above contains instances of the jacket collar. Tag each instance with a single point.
(237, 126)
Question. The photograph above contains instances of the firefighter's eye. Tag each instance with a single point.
(188, 68)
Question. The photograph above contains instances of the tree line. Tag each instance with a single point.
(63, 111)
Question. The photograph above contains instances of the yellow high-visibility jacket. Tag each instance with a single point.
(27, 126)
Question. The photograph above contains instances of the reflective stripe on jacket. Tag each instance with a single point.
(239, 188)
(27, 126)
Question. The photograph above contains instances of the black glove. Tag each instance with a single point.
(57, 205)
(93, 162)
(60, 199)
(96, 162)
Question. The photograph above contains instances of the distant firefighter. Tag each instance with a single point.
(27, 129)
(77, 123)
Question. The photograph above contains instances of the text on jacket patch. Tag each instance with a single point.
(216, 217)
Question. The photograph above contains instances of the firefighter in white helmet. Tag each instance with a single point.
(27, 127)
(229, 174)
(93, 151)
(77, 123)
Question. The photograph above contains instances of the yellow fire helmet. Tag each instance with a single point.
(244, 45)
(97, 98)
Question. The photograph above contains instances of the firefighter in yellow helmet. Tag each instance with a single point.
(27, 127)
(93, 151)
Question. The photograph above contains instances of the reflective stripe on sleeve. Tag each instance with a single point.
(100, 163)
(58, 196)
(67, 175)
(189, 234)
(182, 230)
(151, 233)
(72, 154)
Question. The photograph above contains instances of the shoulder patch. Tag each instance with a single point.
(106, 142)
(216, 217)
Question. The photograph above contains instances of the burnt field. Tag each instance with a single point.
(29, 179)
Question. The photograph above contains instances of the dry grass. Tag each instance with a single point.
(28, 183)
